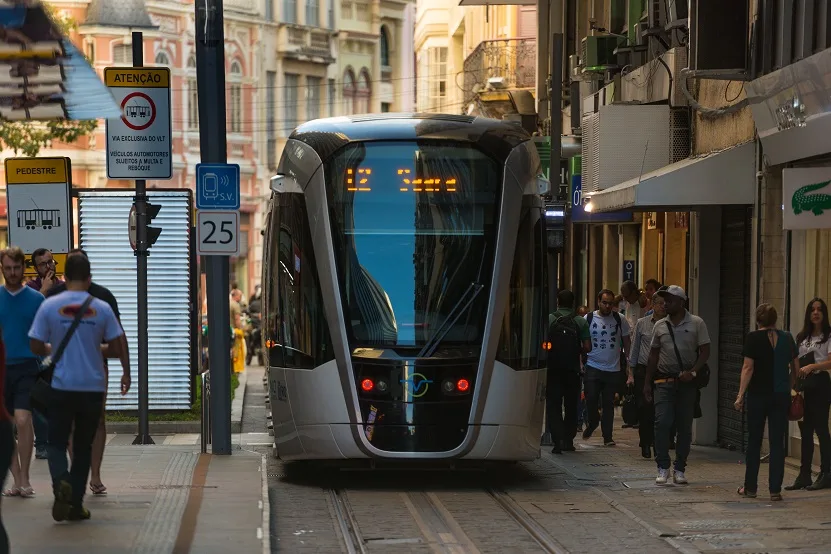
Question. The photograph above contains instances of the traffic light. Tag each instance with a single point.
(152, 232)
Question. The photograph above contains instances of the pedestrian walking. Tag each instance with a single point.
(18, 306)
(608, 330)
(638, 359)
(100, 292)
(680, 348)
(815, 359)
(770, 367)
(79, 380)
(569, 336)
(6, 443)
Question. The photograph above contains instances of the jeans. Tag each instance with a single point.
(674, 407)
(6, 451)
(563, 395)
(646, 410)
(774, 408)
(817, 405)
(84, 410)
(601, 387)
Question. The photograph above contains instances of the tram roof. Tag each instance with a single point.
(330, 134)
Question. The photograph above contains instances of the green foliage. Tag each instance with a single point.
(30, 137)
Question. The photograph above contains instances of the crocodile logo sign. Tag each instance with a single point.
(807, 198)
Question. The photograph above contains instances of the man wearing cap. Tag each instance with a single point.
(674, 390)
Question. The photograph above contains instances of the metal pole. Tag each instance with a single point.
(210, 79)
(140, 202)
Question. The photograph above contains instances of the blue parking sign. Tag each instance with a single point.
(217, 187)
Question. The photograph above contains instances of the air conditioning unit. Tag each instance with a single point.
(720, 39)
(597, 53)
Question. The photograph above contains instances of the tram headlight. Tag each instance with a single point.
(381, 386)
(448, 386)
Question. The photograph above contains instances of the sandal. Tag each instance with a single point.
(27, 492)
(98, 490)
(741, 491)
(775, 497)
(14, 491)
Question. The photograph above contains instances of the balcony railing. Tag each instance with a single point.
(513, 61)
(305, 41)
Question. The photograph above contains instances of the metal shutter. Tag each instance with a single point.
(734, 306)
(103, 216)
(527, 22)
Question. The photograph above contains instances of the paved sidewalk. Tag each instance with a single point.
(707, 515)
(162, 498)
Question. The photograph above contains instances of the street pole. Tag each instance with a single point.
(142, 251)
(210, 80)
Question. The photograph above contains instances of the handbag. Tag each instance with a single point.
(629, 407)
(702, 376)
(797, 408)
(41, 394)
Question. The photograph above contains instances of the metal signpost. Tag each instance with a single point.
(212, 192)
(39, 196)
(139, 147)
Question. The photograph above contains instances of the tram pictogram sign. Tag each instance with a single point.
(138, 142)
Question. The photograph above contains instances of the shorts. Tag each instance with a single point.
(20, 378)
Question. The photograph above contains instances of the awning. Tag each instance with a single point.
(717, 179)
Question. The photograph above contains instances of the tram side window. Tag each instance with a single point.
(301, 327)
(524, 324)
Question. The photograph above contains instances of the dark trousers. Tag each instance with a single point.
(817, 404)
(601, 387)
(563, 394)
(6, 450)
(674, 407)
(773, 408)
(646, 410)
(41, 426)
(83, 409)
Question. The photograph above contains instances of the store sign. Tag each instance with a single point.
(579, 213)
(806, 202)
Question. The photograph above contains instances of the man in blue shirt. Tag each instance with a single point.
(79, 381)
(18, 306)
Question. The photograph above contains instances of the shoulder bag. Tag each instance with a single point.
(702, 378)
(41, 394)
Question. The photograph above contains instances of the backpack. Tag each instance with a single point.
(566, 346)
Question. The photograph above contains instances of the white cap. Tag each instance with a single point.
(674, 290)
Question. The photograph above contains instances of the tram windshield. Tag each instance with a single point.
(414, 225)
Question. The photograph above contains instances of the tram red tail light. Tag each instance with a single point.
(367, 385)
(462, 385)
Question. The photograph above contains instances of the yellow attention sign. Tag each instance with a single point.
(60, 265)
(137, 77)
(21, 171)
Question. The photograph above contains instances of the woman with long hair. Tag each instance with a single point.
(6, 442)
(814, 342)
(769, 371)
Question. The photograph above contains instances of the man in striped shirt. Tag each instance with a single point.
(638, 358)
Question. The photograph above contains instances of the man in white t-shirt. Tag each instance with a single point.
(79, 381)
(608, 330)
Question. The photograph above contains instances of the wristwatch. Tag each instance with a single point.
(694, 374)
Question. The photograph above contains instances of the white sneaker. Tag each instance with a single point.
(679, 478)
(663, 477)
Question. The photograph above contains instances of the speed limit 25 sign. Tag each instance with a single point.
(217, 233)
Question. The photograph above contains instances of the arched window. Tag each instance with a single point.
(163, 59)
(235, 79)
(364, 92)
(385, 47)
(349, 92)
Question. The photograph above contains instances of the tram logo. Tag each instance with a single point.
(417, 384)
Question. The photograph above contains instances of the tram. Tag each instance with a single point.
(405, 290)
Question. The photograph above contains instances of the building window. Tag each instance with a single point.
(364, 92)
(437, 78)
(313, 86)
(345, 9)
(193, 105)
(162, 59)
(236, 97)
(331, 14)
(349, 90)
(290, 11)
(290, 103)
(123, 54)
(90, 51)
(363, 11)
(313, 13)
(269, 10)
(333, 92)
(386, 107)
(271, 119)
(385, 47)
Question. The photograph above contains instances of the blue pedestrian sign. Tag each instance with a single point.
(217, 186)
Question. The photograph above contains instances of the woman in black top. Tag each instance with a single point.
(770, 367)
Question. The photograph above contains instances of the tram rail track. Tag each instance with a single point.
(548, 543)
(347, 524)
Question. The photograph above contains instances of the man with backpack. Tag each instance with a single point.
(569, 336)
(608, 330)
